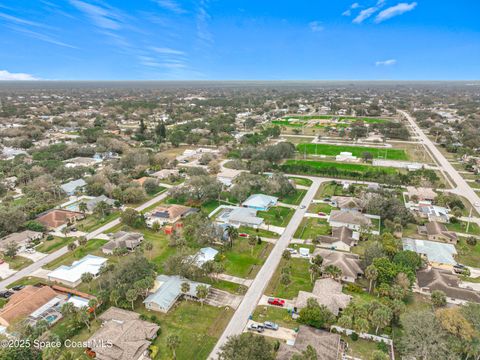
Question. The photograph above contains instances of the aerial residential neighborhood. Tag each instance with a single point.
(178, 183)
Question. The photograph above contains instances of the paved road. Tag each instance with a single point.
(38, 264)
(255, 291)
(462, 188)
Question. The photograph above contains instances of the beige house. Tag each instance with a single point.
(127, 336)
(438, 232)
(122, 239)
(349, 264)
(421, 193)
(342, 238)
(21, 239)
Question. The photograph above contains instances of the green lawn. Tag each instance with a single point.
(49, 246)
(332, 150)
(294, 198)
(197, 327)
(277, 215)
(258, 232)
(312, 227)
(31, 280)
(360, 348)
(92, 246)
(301, 181)
(461, 227)
(93, 222)
(320, 207)
(299, 275)
(278, 315)
(18, 262)
(467, 254)
(287, 123)
(241, 261)
(329, 189)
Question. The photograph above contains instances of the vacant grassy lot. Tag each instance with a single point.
(244, 260)
(258, 232)
(310, 228)
(299, 275)
(197, 327)
(49, 246)
(332, 150)
(301, 181)
(18, 262)
(278, 315)
(329, 189)
(461, 227)
(320, 207)
(287, 123)
(277, 215)
(295, 198)
(467, 254)
(93, 222)
(92, 247)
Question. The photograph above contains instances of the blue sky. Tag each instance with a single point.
(233, 39)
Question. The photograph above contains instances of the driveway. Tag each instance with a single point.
(281, 334)
(222, 298)
(289, 304)
(35, 256)
(5, 271)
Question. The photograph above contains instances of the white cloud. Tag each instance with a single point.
(169, 51)
(103, 17)
(393, 11)
(18, 20)
(171, 5)
(348, 12)
(316, 26)
(6, 75)
(388, 62)
(365, 14)
(202, 20)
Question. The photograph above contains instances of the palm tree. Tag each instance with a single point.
(132, 295)
(172, 342)
(252, 242)
(371, 273)
(333, 271)
(83, 316)
(232, 234)
(82, 207)
(93, 303)
(114, 296)
(149, 248)
(202, 293)
(71, 246)
(87, 278)
(67, 309)
(185, 288)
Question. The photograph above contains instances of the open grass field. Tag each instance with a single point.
(93, 222)
(243, 260)
(461, 227)
(49, 246)
(92, 247)
(299, 275)
(258, 232)
(358, 151)
(467, 254)
(310, 228)
(294, 198)
(18, 262)
(319, 207)
(197, 327)
(349, 119)
(301, 181)
(277, 215)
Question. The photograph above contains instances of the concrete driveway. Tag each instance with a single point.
(35, 256)
(222, 298)
(281, 334)
(289, 304)
(5, 271)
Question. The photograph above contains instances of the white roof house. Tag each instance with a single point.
(72, 275)
(72, 186)
(260, 202)
(238, 216)
(438, 254)
(204, 255)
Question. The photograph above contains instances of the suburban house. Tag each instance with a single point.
(92, 203)
(326, 344)
(349, 264)
(165, 173)
(346, 203)
(89, 201)
(431, 212)
(21, 239)
(438, 232)
(73, 186)
(327, 292)
(24, 302)
(167, 290)
(72, 275)
(439, 255)
(129, 336)
(81, 161)
(431, 279)
(342, 238)
(260, 202)
(122, 239)
(168, 214)
(353, 220)
(226, 176)
(204, 255)
(238, 216)
(421, 193)
(56, 219)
